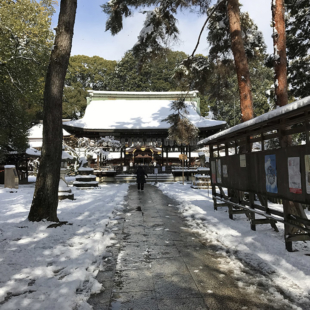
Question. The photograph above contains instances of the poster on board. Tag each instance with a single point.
(218, 171)
(271, 174)
(163, 168)
(213, 172)
(225, 172)
(242, 160)
(294, 176)
(307, 171)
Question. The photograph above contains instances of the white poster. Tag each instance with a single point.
(163, 168)
(294, 176)
(155, 170)
(124, 168)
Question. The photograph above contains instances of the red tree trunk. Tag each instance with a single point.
(241, 62)
(279, 44)
(45, 200)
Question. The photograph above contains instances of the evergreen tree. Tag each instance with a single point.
(160, 27)
(155, 75)
(298, 47)
(84, 73)
(223, 87)
(25, 43)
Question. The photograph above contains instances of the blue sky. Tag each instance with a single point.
(91, 39)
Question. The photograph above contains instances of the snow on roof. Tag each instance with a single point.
(36, 132)
(134, 114)
(66, 155)
(262, 118)
(33, 152)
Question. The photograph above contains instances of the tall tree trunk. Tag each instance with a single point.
(45, 200)
(281, 99)
(241, 62)
(279, 45)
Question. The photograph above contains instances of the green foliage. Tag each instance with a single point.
(222, 88)
(298, 47)
(219, 37)
(159, 26)
(84, 73)
(155, 75)
(181, 129)
(25, 44)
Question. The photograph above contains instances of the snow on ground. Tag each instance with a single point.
(55, 268)
(263, 250)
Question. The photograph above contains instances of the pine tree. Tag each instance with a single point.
(160, 27)
(298, 47)
(222, 85)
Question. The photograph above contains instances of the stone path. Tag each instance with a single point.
(159, 264)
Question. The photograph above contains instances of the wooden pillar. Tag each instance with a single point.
(252, 214)
(167, 155)
(162, 152)
(213, 186)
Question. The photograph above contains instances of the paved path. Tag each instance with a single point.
(159, 264)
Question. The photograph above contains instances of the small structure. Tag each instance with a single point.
(20, 161)
(35, 136)
(85, 178)
(64, 192)
(11, 179)
(250, 179)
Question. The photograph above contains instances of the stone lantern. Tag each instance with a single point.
(64, 192)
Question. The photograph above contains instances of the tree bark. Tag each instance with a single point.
(279, 45)
(241, 62)
(45, 200)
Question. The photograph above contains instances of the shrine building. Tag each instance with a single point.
(136, 120)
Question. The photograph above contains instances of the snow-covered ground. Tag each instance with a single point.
(54, 268)
(263, 250)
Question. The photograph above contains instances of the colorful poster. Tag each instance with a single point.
(225, 172)
(307, 171)
(218, 171)
(294, 176)
(242, 160)
(271, 173)
(213, 172)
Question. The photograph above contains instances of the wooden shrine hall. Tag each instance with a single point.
(136, 120)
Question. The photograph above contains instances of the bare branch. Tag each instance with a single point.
(203, 27)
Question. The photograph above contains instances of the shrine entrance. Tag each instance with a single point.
(143, 155)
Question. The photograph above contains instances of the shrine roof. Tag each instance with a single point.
(134, 114)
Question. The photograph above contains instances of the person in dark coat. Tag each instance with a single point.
(141, 177)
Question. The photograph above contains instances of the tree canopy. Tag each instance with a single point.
(298, 47)
(84, 73)
(25, 43)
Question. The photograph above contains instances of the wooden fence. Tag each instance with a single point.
(259, 164)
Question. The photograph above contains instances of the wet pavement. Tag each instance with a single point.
(158, 263)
